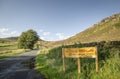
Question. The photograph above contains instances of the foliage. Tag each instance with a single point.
(50, 63)
(28, 39)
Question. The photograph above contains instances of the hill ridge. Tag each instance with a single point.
(107, 29)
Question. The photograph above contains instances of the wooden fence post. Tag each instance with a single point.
(79, 66)
(96, 60)
(63, 56)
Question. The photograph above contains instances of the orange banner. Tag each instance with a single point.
(80, 52)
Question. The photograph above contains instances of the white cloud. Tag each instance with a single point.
(5, 32)
(41, 30)
(46, 33)
(14, 32)
(43, 38)
(53, 37)
(61, 36)
(50, 39)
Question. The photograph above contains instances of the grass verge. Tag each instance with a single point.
(49, 63)
(12, 53)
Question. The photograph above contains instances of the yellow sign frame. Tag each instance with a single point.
(86, 52)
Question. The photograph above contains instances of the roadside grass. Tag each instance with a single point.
(49, 63)
(12, 53)
(8, 50)
(4, 44)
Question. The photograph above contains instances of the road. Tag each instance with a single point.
(13, 67)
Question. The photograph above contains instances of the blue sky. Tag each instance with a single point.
(53, 19)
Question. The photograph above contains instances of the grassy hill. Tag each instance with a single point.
(105, 35)
(8, 47)
(106, 30)
(8, 40)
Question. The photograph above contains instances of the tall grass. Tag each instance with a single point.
(50, 63)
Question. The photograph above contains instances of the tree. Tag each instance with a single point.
(28, 39)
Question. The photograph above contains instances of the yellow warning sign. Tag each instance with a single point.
(80, 52)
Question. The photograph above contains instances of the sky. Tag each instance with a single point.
(53, 19)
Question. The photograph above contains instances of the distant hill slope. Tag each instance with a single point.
(106, 30)
(9, 39)
(12, 39)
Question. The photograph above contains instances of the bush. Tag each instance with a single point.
(27, 39)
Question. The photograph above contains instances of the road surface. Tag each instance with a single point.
(13, 67)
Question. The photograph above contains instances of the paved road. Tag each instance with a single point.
(12, 68)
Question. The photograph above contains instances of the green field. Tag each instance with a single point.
(9, 49)
(49, 62)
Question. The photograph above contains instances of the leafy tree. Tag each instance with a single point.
(28, 39)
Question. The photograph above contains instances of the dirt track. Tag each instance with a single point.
(13, 67)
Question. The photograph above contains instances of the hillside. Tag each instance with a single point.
(105, 35)
(9, 39)
(107, 29)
